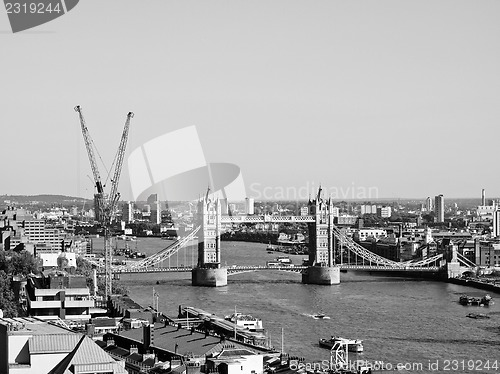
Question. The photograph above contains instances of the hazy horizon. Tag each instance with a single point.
(393, 199)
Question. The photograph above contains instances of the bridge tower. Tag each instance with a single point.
(321, 269)
(209, 272)
(452, 266)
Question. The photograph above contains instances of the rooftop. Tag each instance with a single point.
(87, 356)
(172, 339)
(169, 337)
(235, 352)
(53, 343)
(32, 326)
(126, 302)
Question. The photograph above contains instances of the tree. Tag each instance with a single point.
(83, 267)
(7, 302)
(23, 263)
(62, 262)
(17, 263)
(5, 264)
(429, 217)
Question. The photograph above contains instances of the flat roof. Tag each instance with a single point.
(32, 326)
(196, 343)
(168, 337)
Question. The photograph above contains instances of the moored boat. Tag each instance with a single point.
(246, 321)
(270, 247)
(353, 345)
(476, 301)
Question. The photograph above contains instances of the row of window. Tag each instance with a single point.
(210, 257)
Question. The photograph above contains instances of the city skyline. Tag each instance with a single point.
(398, 97)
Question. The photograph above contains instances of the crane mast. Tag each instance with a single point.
(105, 205)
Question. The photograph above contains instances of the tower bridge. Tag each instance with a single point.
(324, 239)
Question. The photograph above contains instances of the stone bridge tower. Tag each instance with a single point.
(209, 272)
(321, 269)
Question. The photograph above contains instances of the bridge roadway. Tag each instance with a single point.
(238, 269)
(267, 219)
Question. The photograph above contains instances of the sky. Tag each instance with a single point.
(382, 98)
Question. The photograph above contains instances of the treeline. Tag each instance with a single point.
(13, 264)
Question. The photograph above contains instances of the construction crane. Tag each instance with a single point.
(105, 204)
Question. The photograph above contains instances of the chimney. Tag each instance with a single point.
(110, 341)
(133, 349)
(147, 338)
(90, 329)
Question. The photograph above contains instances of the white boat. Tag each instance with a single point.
(353, 345)
(273, 263)
(280, 261)
(284, 260)
(320, 316)
(246, 321)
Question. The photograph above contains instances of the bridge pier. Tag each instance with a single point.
(325, 275)
(206, 277)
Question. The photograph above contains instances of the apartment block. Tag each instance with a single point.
(66, 297)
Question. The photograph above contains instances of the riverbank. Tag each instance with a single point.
(487, 285)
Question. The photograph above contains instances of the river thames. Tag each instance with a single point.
(415, 323)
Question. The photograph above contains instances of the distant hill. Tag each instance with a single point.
(44, 199)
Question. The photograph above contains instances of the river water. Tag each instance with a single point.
(416, 323)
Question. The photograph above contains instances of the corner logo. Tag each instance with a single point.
(25, 14)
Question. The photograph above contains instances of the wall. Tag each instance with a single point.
(4, 349)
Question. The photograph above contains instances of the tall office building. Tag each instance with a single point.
(152, 198)
(428, 204)
(483, 198)
(224, 207)
(128, 212)
(496, 223)
(439, 205)
(155, 212)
